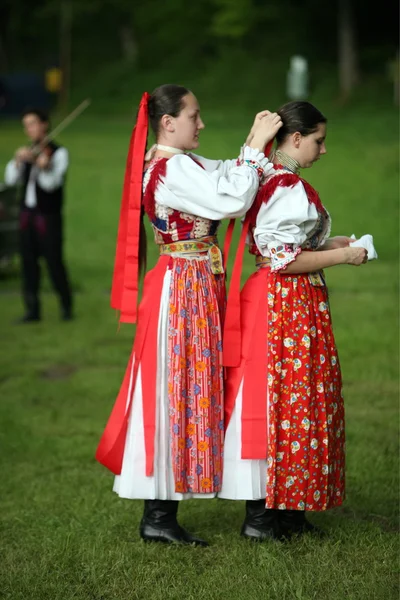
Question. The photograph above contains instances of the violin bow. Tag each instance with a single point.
(64, 123)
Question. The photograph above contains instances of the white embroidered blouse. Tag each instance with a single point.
(287, 224)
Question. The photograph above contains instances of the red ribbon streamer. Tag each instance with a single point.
(125, 284)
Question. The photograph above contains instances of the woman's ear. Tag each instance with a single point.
(168, 123)
(296, 137)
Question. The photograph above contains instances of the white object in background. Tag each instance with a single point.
(297, 79)
(367, 242)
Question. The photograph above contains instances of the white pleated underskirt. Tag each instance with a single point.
(243, 479)
(133, 483)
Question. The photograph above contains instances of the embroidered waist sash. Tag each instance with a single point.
(193, 248)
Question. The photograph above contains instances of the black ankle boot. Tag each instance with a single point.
(294, 522)
(260, 523)
(159, 524)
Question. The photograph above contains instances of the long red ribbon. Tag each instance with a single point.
(232, 328)
(252, 370)
(110, 450)
(125, 284)
(255, 389)
(238, 337)
(146, 350)
(227, 243)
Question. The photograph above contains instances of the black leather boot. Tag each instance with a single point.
(294, 522)
(260, 523)
(159, 524)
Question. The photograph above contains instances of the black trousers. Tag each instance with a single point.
(42, 236)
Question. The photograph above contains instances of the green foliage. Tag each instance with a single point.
(232, 19)
(201, 31)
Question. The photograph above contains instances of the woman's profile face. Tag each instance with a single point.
(312, 147)
(188, 124)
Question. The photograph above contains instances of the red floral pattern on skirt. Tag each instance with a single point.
(306, 441)
(195, 375)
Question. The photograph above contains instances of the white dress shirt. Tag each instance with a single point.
(48, 179)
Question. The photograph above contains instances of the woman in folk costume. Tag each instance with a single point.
(164, 437)
(284, 445)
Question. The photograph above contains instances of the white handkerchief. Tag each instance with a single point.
(367, 242)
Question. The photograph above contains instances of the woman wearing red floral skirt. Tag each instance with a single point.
(285, 442)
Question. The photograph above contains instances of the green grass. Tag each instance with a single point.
(64, 534)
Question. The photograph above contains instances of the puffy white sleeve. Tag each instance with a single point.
(283, 224)
(13, 173)
(52, 178)
(215, 195)
(222, 166)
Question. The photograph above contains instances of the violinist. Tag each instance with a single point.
(39, 170)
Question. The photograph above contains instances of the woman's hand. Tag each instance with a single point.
(265, 129)
(354, 255)
(257, 118)
(338, 241)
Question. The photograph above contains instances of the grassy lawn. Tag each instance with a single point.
(64, 534)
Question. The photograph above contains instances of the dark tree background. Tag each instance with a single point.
(351, 38)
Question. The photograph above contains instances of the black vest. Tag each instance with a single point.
(46, 202)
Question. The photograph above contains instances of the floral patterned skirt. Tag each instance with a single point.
(195, 375)
(305, 412)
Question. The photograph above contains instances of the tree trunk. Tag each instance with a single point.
(65, 52)
(3, 56)
(348, 62)
(128, 43)
(396, 80)
(5, 18)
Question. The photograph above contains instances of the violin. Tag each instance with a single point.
(38, 154)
